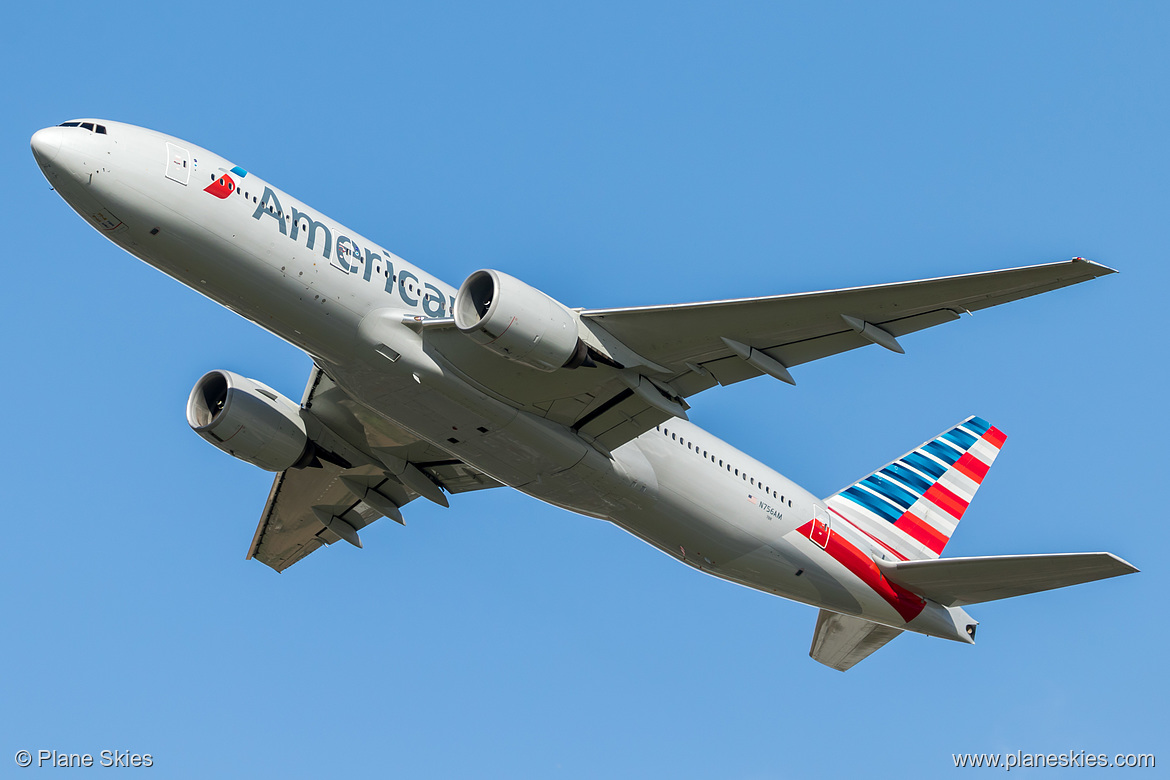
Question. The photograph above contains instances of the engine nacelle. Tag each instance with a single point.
(518, 322)
(248, 420)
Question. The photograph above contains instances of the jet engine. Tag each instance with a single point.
(249, 420)
(519, 322)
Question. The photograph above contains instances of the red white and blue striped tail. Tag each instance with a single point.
(912, 506)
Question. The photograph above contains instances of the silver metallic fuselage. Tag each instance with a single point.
(238, 252)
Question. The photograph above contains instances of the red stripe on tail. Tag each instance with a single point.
(972, 467)
(916, 528)
(946, 501)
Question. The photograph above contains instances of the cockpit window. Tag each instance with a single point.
(91, 126)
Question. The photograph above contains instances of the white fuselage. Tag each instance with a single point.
(677, 487)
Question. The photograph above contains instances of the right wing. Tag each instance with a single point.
(658, 356)
(313, 507)
(802, 327)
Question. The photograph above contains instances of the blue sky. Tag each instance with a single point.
(609, 154)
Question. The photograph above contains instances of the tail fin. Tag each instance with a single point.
(912, 506)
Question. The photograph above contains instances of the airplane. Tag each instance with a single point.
(420, 389)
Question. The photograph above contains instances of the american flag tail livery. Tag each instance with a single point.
(912, 505)
(908, 510)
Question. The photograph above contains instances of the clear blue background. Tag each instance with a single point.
(608, 153)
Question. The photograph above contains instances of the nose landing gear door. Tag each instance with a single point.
(178, 164)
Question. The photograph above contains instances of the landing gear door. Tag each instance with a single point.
(178, 164)
(820, 527)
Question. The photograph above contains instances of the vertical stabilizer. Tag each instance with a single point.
(912, 506)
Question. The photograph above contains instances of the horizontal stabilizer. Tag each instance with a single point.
(840, 641)
(954, 582)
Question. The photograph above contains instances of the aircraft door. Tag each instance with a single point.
(820, 527)
(178, 164)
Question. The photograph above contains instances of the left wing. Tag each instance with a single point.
(313, 507)
(657, 356)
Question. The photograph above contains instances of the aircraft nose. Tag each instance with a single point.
(46, 143)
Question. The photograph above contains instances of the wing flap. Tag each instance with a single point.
(289, 529)
(955, 582)
(842, 641)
